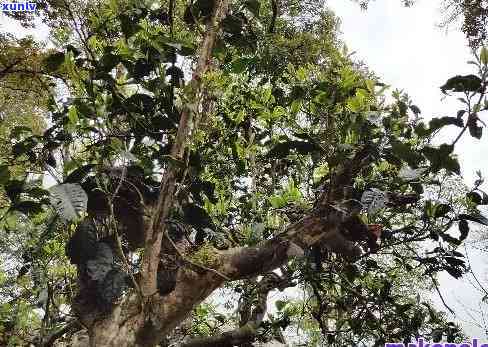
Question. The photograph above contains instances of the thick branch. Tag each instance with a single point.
(194, 284)
(154, 234)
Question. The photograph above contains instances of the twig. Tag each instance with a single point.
(119, 243)
(434, 282)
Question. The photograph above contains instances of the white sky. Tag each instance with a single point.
(407, 50)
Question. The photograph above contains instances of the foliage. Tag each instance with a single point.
(282, 108)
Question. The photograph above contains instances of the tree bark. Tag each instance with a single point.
(155, 231)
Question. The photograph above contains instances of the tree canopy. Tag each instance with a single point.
(207, 154)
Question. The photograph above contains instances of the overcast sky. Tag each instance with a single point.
(406, 48)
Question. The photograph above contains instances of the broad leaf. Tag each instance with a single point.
(408, 174)
(54, 61)
(468, 83)
(374, 200)
(437, 123)
(69, 200)
(477, 217)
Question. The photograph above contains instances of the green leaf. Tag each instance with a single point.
(28, 207)
(141, 103)
(108, 61)
(468, 83)
(421, 130)
(440, 158)
(37, 192)
(280, 304)
(240, 65)
(141, 68)
(296, 105)
(232, 24)
(25, 146)
(4, 174)
(69, 200)
(463, 229)
(351, 272)
(128, 25)
(474, 130)
(302, 74)
(203, 8)
(281, 150)
(474, 197)
(54, 61)
(70, 48)
(18, 130)
(441, 210)
(72, 115)
(484, 56)
(278, 111)
(415, 109)
(13, 189)
(453, 271)
(477, 217)
(277, 201)
(437, 123)
(79, 174)
(253, 6)
(404, 152)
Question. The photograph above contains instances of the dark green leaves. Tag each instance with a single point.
(200, 10)
(463, 229)
(440, 158)
(24, 147)
(405, 152)
(441, 210)
(241, 64)
(468, 83)
(28, 207)
(474, 197)
(54, 61)
(83, 243)
(437, 123)
(79, 174)
(281, 150)
(141, 69)
(4, 174)
(253, 6)
(177, 75)
(108, 61)
(129, 21)
(72, 49)
(474, 130)
(476, 217)
(232, 24)
(280, 304)
(14, 188)
(141, 103)
(199, 187)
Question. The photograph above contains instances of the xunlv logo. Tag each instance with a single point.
(18, 6)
